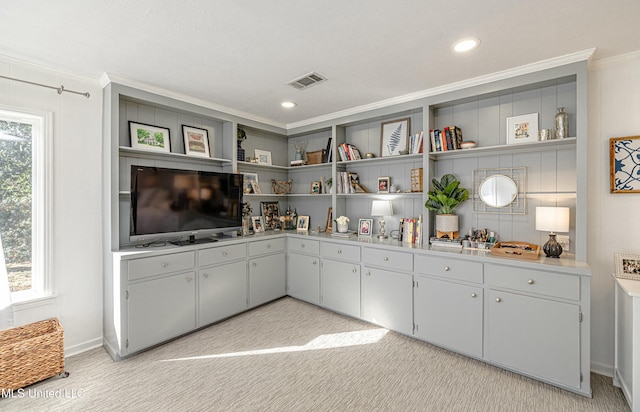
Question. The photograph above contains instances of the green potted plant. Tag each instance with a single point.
(443, 199)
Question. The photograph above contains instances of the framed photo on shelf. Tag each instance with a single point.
(271, 215)
(249, 183)
(329, 224)
(365, 227)
(196, 141)
(316, 188)
(624, 162)
(148, 137)
(258, 224)
(264, 157)
(627, 266)
(383, 184)
(522, 129)
(303, 223)
(394, 137)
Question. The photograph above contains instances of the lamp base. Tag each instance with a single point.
(552, 248)
(382, 234)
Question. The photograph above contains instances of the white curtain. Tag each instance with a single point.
(6, 311)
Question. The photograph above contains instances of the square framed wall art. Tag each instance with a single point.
(522, 129)
(148, 137)
(196, 141)
(624, 164)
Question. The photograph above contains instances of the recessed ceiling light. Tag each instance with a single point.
(288, 105)
(465, 45)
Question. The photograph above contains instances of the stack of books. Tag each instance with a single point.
(411, 230)
(348, 233)
(415, 143)
(450, 138)
(445, 242)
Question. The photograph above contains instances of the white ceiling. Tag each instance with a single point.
(241, 53)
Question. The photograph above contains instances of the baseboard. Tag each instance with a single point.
(602, 369)
(83, 347)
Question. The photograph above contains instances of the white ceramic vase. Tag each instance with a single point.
(343, 228)
(447, 223)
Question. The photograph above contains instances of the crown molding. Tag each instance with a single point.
(49, 69)
(476, 81)
(107, 78)
(614, 60)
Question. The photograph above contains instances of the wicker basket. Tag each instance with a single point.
(314, 158)
(31, 353)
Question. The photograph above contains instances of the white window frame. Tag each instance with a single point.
(41, 196)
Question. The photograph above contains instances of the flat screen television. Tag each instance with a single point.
(174, 203)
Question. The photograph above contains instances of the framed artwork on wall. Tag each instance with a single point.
(624, 164)
(522, 129)
(196, 141)
(394, 137)
(148, 137)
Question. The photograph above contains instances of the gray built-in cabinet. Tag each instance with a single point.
(531, 317)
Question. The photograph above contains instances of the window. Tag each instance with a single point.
(25, 201)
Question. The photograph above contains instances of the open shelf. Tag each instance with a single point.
(512, 148)
(387, 159)
(178, 157)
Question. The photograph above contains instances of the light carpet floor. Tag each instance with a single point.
(292, 356)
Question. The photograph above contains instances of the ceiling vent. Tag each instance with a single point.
(307, 80)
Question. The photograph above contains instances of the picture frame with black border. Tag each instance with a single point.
(196, 141)
(257, 223)
(365, 227)
(150, 138)
(384, 182)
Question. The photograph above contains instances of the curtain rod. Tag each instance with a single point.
(59, 89)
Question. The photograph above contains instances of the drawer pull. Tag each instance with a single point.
(386, 259)
(225, 253)
(205, 275)
(498, 300)
(339, 251)
(189, 279)
(165, 264)
(368, 273)
(255, 264)
(302, 245)
(268, 245)
(473, 295)
(446, 268)
(530, 281)
(355, 270)
(315, 262)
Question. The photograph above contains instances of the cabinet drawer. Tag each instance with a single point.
(388, 259)
(449, 268)
(262, 247)
(221, 254)
(158, 265)
(534, 281)
(303, 245)
(338, 251)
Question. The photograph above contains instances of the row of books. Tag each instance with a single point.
(348, 152)
(411, 230)
(348, 182)
(450, 138)
(416, 143)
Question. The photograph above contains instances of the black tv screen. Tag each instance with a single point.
(173, 202)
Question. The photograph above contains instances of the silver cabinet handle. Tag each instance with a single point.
(302, 245)
(339, 251)
(368, 273)
(189, 279)
(255, 264)
(225, 253)
(269, 246)
(165, 264)
(446, 268)
(498, 300)
(315, 262)
(385, 259)
(205, 275)
(355, 270)
(530, 281)
(473, 295)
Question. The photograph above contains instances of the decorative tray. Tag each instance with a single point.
(513, 249)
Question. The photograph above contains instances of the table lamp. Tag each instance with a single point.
(381, 208)
(552, 219)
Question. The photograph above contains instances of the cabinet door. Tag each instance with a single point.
(449, 315)
(161, 309)
(303, 277)
(387, 299)
(266, 279)
(537, 336)
(222, 292)
(341, 287)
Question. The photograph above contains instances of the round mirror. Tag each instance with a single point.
(498, 190)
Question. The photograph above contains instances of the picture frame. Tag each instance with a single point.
(249, 183)
(522, 129)
(624, 162)
(271, 215)
(394, 137)
(148, 137)
(196, 141)
(627, 266)
(365, 227)
(329, 223)
(316, 188)
(303, 223)
(257, 223)
(384, 183)
(263, 157)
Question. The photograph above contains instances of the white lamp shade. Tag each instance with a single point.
(381, 208)
(552, 219)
